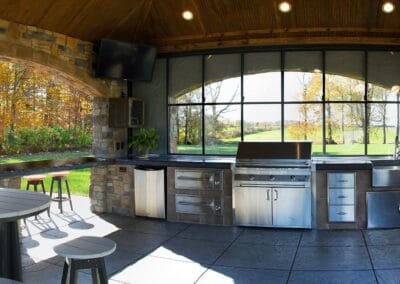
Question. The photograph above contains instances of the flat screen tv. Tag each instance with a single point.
(122, 60)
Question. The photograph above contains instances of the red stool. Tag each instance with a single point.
(59, 177)
(35, 180)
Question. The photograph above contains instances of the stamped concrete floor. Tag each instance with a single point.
(153, 251)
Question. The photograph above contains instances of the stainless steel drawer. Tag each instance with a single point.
(341, 196)
(341, 180)
(341, 213)
(194, 204)
(198, 179)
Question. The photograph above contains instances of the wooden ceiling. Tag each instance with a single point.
(216, 23)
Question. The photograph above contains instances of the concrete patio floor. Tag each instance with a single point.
(154, 251)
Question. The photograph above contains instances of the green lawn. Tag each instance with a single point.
(78, 180)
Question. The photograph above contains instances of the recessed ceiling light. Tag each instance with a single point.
(388, 7)
(187, 15)
(316, 70)
(285, 7)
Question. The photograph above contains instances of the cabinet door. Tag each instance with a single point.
(292, 207)
(253, 206)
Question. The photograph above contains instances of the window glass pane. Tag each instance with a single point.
(262, 77)
(303, 76)
(222, 78)
(304, 122)
(382, 128)
(344, 79)
(222, 129)
(383, 75)
(261, 127)
(185, 77)
(344, 129)
(185, 129)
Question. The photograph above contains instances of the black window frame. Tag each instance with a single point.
(282, 49)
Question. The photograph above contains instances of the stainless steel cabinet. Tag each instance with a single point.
(383, 209)
(291, 207)
(255, 207)
(273, 207)
(341, 197)
(149, 193)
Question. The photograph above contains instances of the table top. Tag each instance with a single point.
(16, 203)
(86, 248)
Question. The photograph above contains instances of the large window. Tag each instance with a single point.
(344, 101)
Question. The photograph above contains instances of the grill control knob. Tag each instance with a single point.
(292, 178)
(252, 178)
(271, 178)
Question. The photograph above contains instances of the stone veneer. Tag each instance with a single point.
(118, 180)
(12, 182)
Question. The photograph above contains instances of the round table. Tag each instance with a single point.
(16, 204)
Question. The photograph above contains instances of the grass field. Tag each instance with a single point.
(78, 180)
(229, 146)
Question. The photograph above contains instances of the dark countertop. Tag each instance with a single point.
(343, 163)
(220, 162)
(180, 161)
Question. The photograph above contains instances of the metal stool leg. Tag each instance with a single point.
(59, 195)
(42, 184)
(102, 271)
(35, 183)
(65, 273)
(51, 186)
(27, 185)
(69, 194)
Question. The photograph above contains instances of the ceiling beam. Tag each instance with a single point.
(281, 37)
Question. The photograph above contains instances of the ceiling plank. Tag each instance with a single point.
(197, 14)
(124, 19)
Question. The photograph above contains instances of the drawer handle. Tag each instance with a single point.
(342, 180)
(341, 213)
(342, 196)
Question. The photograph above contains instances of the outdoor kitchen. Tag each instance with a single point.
(257, 147)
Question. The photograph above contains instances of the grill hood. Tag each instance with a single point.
(276, 153)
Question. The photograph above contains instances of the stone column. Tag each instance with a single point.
(12, 182)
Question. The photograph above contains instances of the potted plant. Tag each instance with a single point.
(144, 140)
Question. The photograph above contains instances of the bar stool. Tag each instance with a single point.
(35, 180)
(85, 253)
(59, 177)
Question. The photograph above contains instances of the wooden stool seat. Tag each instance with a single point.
(60, 177)
(85, 253)
(35, 177)
(59, 174)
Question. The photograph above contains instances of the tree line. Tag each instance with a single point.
(41, 112)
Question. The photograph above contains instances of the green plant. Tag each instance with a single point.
(145, 140)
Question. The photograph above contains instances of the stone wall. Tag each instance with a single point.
(12, 182)
(71, 58)
(118, 196)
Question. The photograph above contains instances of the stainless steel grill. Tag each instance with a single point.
(272, 184)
